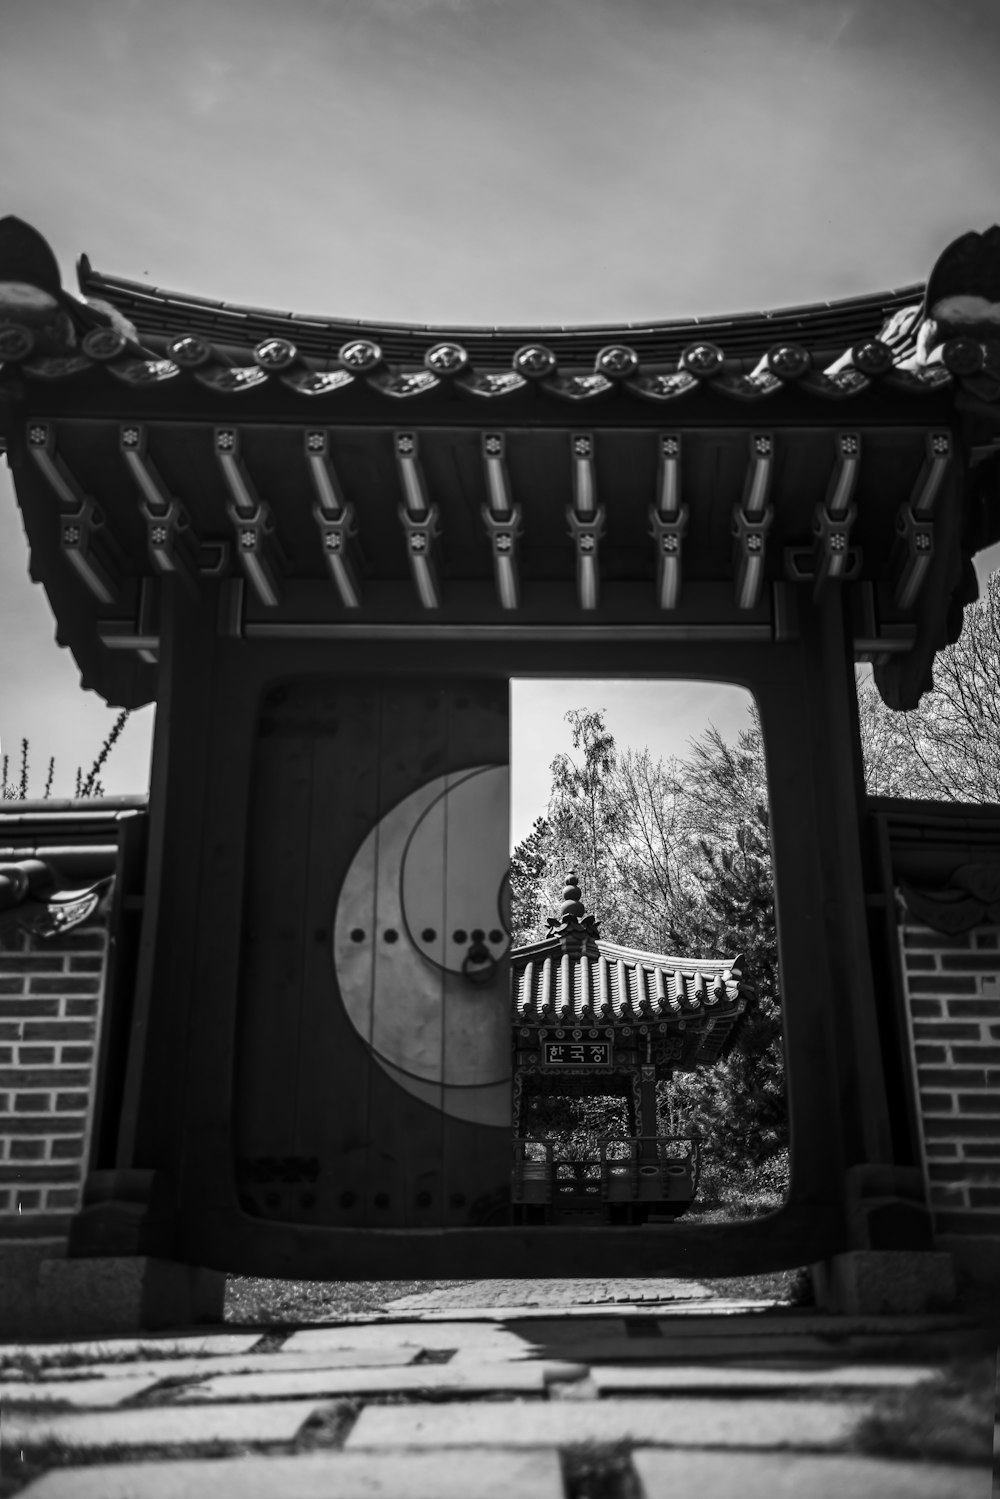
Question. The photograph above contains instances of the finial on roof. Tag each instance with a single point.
(572, 926)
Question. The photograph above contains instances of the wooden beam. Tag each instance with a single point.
(334, 518)
(834, 519)
(914, 548)
(586, 520)
(170, 539)
(502, 519)
(420, 521)
(831, 557)
(86, 543)
(668, 522)
(752, 521)
(256, 544)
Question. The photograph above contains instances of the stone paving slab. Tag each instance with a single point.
(681, 1422)
(751, 1475)
(112, 1348)
(88, 1393)
(158, 1425)
(550, 1292)
(584, 1347)
(524, 1378)
(401, 1335)
(457, 1474)
(609, 1380)
(237, 1363)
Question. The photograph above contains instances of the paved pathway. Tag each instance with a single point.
(488, 1389)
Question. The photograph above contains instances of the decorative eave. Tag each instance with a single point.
(617, 985)
(348, 480)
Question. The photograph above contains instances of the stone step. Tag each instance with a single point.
(468, 1474)
(692, 1422)
(780, 1475)
(161, 1425)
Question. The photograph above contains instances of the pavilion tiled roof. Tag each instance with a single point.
(573, 978)
(618, 985)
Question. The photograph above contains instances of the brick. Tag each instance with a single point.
(68, 1102)
(12, 985)
(976, 1054)
(986, 939)
(924, 1008)
(935, 941)
(27, 1103)
(70, 985)
(6, 1054)
(86, 965)
(44, 1077)
(967, 1223)
(919, 962)
(953, 1077)
(24, 1007)
(39, 1173)
(76, 1054)
(953, 1171)
(930, 1054)
(979, 1103)
(941, 983)
(984, 1197)
(67, 1150)
(27, 1150)
(974, 1151)
(977, 962)
(945, 1030)
(986, 1175)
(4, 1201)
(941, 1148)
(59, 1030)
(995, 1032)
(937, 1103)
(62, 1197)
(46, 1124)
(44, 1055)
(955, 1127)
(28, 1201)
(10, 1030)
(81, 1007)
(951, 1196)
(964, 1009)
(36, 962)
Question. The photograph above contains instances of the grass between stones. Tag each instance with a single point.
(596, 1471)
(949, 1419)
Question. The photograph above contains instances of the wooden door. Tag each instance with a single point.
(373, 1073)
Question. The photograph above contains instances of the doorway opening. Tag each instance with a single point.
(648, 1056)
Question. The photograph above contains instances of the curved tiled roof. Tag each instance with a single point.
(605, 984)
(162, 314)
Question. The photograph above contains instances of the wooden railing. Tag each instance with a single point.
(643, 1167)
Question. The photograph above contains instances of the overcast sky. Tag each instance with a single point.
(488, 161)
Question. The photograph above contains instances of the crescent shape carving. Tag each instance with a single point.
(433, 866)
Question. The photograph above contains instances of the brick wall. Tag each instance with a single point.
(953, 1000)
(50, 1001)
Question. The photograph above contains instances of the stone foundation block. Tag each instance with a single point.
(125, 1294)
(866, 1282)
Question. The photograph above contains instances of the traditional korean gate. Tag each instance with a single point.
(373, 1061)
